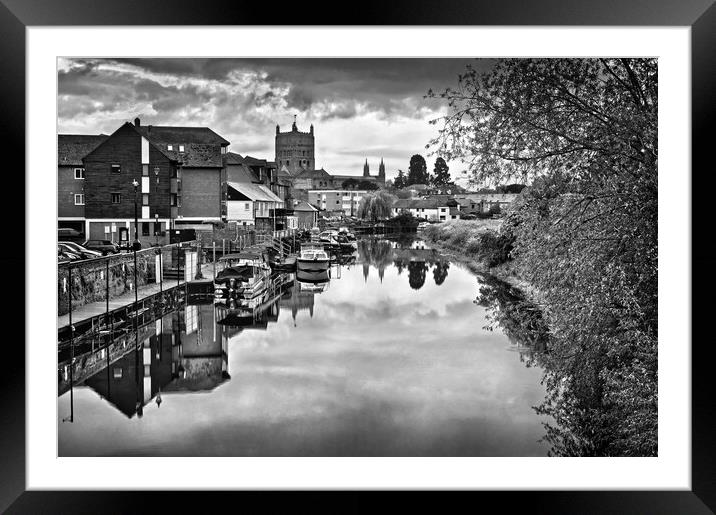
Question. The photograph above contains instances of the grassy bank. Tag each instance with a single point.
(479, 245)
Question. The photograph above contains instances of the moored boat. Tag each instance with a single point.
(245, 274)
(313, 258)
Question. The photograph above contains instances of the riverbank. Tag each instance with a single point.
(465, 249)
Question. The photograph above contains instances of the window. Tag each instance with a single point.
(116, 198)
(145, 199)
(170, 147)
(145, 228)
(181, 148)
(145, 170)
(247, 206)
(79, 199)
(79, 173)
(173, 200)
(117, 372)
(116, 168)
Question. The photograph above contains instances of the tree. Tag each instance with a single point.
(403, 194)
(375, 206)
(583, 133)
(441, 176)
(349, 184)
(400, 181)
(417, 171)
(367, 185)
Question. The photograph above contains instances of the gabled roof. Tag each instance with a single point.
(255, 192)
(254, 161)
(199, 144)
(311, 174)
(232, 158)
(302, 205)
(71, 148)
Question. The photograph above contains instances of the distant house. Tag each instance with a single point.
(71, 148)
(252, 204)
(342, 201)
(306, 214)
(434, 209)
(260, 171)
(482, 202)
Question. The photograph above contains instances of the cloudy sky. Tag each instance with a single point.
(360, 108)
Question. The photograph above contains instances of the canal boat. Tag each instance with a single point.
(245, 274)
(313, 257)
(285, 264)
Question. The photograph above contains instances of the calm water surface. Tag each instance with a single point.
(391, 357)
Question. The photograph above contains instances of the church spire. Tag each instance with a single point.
(294, 128)
(366, 169)
(381, 169)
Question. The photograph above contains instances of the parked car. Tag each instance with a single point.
(65, 256)
(76, 248)
(103, 246)
(422, 225)
(65, 234)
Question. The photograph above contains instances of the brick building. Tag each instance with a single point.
(180, 174)
(71, 148)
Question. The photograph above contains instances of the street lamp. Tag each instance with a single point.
(136, 221)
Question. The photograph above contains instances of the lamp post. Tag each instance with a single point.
(136, 291)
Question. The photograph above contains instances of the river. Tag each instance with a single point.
(393, 356)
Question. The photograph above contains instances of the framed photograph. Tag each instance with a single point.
(438, 250)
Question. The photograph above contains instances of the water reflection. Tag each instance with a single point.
(359, 363)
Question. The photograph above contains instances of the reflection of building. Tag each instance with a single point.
(297, 300)
(165, 360)
(132, 381)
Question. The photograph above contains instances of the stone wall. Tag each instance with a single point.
(88, 282)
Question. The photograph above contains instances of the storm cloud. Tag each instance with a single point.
(361, 108)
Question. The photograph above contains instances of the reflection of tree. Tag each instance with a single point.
(440, 272)
(580, 423)
(416, 274)
(399, 264)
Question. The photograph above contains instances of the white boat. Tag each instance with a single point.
(313, 258)
(245, 274)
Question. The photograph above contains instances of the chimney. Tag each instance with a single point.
(136, 122)
(149, 129)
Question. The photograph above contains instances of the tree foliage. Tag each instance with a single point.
(400, 181)
(375, 206)
(441, 174)
(417, 171)
(367, 185)
(583, 133)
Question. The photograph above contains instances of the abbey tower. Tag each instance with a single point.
(295, 150)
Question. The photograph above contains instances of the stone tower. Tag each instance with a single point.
(366, 169)
(295, 149)
(381, 172)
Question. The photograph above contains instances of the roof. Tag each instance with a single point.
(255, 192)
(494, 197)
(313, 174)
(199, 144)
(418, 203)
(302, 205)
(71, 148)
(232, 158)
(454, 211)
(255, 161)
(241, 255)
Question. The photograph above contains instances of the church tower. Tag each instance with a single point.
(381, 172)
(366, 169)
(295, 150)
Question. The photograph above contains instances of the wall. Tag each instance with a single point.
(240, 210)
(201, 193)
(124, 148)
(67, 186)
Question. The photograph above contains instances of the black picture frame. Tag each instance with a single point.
(700, 15)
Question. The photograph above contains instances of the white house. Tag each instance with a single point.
(250, 203)
(436, 209)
